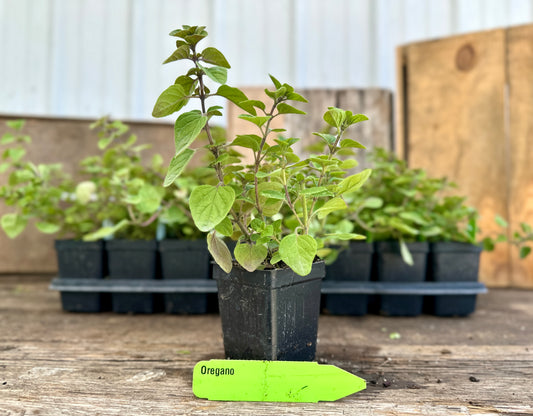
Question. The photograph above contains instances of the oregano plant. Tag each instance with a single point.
(274, 206)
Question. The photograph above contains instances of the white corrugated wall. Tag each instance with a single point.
(86, 58)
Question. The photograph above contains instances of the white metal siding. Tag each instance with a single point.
(86, 58)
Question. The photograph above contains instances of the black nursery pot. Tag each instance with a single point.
(454, 262)
(132, 260)
(269, 314)
(185, 259)
(353, 264)
(78, 259)
(390, 267)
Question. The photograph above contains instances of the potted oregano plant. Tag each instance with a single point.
(47, 196)
(269, 296)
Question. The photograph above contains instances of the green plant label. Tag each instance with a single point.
(272, 381)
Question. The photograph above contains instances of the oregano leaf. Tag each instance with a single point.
(210, 205)
(250, 256)
(298, 252)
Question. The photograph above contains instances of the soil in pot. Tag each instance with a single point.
(132, 260)
(82, 260)
(453, 262)
(353, 264)
(269, 314)
(390, 267)
(185, 259)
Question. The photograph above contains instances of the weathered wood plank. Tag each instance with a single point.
(455, 124)
(520, 108)
(56, 363)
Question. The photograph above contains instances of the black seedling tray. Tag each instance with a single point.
(199, 286)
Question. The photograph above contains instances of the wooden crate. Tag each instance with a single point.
(464, 111)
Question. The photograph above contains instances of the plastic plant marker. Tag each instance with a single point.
(272, 381)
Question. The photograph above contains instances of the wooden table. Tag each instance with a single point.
(58, 363)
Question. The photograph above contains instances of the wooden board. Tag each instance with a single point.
(376, 104)
(66, 141)
(519, 113)
(454, 125)
(57, 363)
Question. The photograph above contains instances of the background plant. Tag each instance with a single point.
(245, 201)
(405, 205)
(37, 193)
(129, 192)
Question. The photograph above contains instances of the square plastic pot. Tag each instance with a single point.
(453, 262)
(185, 259)
(353, 264)
(82, 260)
(269, 314)
(390, 267)
(130, 260)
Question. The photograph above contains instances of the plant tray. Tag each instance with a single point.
(199, 286)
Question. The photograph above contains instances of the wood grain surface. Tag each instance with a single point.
(58, 363)
(455, 122)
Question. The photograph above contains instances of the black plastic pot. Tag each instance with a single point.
(185, 259)
(132, 260)
(81, 260)
(353, 264)
(453, 262)
(269, 314)
(390, 267)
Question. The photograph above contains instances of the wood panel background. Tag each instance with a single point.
(464, 108)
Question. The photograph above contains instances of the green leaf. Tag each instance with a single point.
(276, 83)
(250, 141)
(373, 202)
(177, 164)
(220, 252)
(254, 103)
(150, 198)
(276, 258)
(250, 256)
(348, 164)
(187, 83)
(214, 56)
(356, 118)
(317, 191)
(328, 138)
(353, 183)
(526, 228)
(16, 124)
(298, 252)
(225, 227)
(210, 205)
(84, 191)
(413, 217)
(257, 120)
(293, 96)
(272, 194)
(334, 204)
(15, 153)
(106, 231)
(406, 254)
(216, 73)
(171, 100)
(236, 96)
(402, 227)
(524, 251)
(181, 53)
(13, 224)
(501, 222)
(334, 117)
(269, 205)
(284, 108)
(352, 144)
(346, 236)
(47, 227)
(187, 128)
(7, 138)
